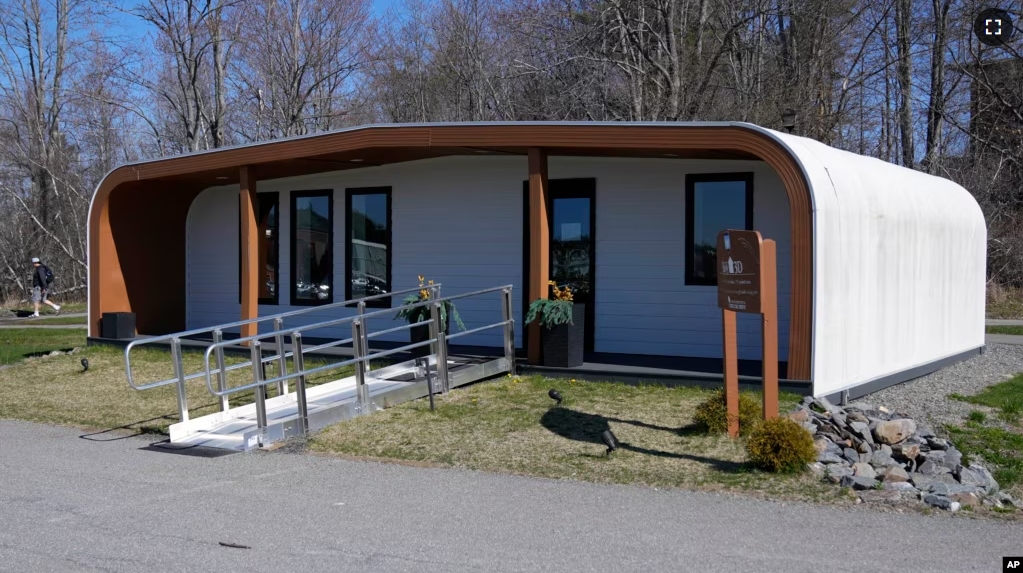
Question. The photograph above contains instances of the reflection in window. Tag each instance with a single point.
(570, 244)
(368, 242)
(713, 203)
(311, 256)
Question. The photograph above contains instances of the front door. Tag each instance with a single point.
(572, 219)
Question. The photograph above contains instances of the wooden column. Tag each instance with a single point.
(539, 242)
(250, 247)
(731, 371)
(769, 326)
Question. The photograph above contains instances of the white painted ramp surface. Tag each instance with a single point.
(229, 430)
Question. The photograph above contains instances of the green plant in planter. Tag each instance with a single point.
(422, 313)
(553, 311)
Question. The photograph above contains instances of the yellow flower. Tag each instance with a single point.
(430, 283)
(421, 279)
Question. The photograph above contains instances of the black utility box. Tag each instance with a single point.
(117, 325)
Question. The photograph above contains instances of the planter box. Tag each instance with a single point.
(118, 325)
(563, 344)
(421, 333)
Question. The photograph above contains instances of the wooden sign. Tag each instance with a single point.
(748, 282)
(738, 270)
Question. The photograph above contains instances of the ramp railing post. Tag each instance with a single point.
(361, 392)
(260, 391)
(509, 329)
(282, 366)
(179, 373)
(362, 310)
(442, 347)
(225, 400)
(303, 407)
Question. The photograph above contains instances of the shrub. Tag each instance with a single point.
(712, 415)
(780, 445)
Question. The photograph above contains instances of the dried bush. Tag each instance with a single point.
(712, 415)
(780, 445)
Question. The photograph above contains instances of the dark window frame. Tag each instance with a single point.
(295, 196)
(691, 181)
(382, 302)
(277, 264)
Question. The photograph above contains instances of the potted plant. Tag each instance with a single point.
(421, 314)
(563, 324)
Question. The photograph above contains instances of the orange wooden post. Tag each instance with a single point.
(249, 237)
(769, 326)
(731, 370)
(539, 243)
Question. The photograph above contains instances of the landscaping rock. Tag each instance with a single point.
(801, 415)
(887, 457)
(894, 431)
(1006, 499)
(852, 455)
(941, 502)
(863, 469)
(880, 459)
(837, 472)
(906, 452)
(929, 468)
(978, 476)
(894, 474)
(965, 499)
(858, 482)
(902, 486)
(830, 458)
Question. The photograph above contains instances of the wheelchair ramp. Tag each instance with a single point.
(328, 403)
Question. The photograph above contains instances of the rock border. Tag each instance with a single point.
(888, 456)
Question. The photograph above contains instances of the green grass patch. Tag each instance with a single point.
(16, 344)
(55, 390)
(1006, 397)
(1014, 330)
(976, 417)
(61, 320)
(1001, 447)
(511, 425)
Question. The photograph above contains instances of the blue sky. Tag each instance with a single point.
(133, 27)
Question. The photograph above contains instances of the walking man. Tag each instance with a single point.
(41, 279)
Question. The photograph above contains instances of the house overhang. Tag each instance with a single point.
(167, 186)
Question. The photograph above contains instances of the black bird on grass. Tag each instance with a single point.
(85, 364)
(555, 395)
(610, 440)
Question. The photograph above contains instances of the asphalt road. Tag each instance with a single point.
(74, 504)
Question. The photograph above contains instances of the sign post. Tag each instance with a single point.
(747, 282)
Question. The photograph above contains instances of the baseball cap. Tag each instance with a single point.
(35, 259)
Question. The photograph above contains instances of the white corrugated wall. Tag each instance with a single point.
(899, 267)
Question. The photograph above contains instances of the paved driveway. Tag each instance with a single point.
(72, 504)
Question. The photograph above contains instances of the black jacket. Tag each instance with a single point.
(39, 277)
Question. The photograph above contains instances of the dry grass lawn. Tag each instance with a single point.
(55, 390)
(511, 425)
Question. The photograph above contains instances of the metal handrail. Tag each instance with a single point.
(334, 322)
(220, 327)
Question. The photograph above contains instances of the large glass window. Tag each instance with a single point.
(714, 202)
(312, 238)
(368, 244)
(267, 248)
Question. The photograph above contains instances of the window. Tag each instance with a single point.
(312, 240)
(714, 202)
(267, 248)
(368, 244)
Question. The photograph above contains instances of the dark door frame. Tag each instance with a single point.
(575, 188)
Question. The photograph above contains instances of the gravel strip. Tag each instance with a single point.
(926, 398)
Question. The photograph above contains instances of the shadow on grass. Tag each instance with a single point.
(141, 428)
(583, 427)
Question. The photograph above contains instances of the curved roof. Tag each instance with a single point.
(899, 267)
